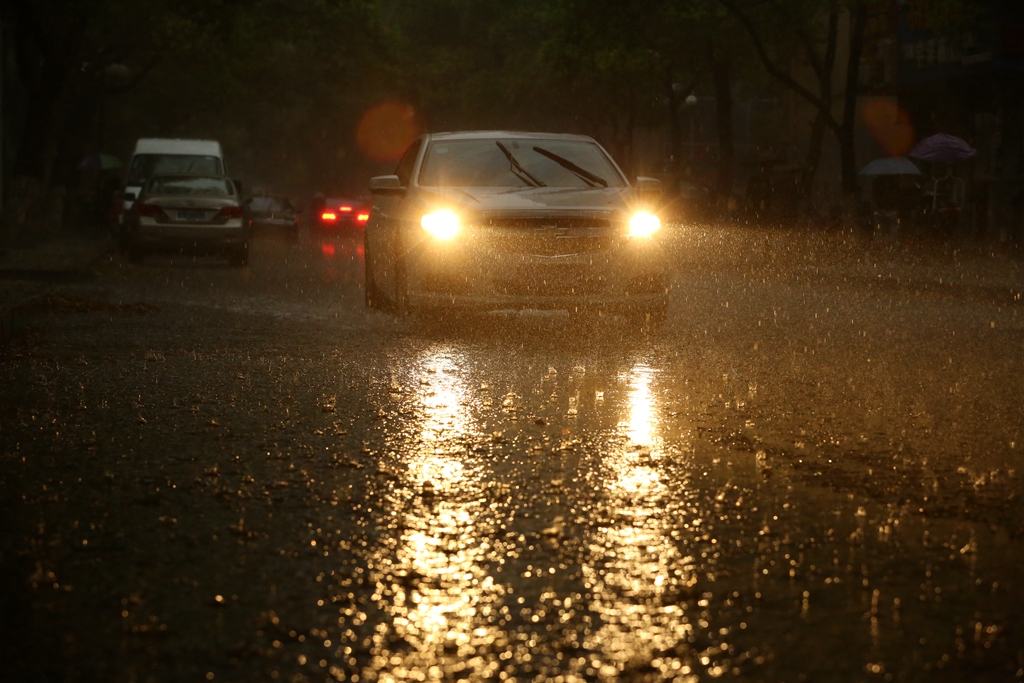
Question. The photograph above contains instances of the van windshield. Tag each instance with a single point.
(147, 165)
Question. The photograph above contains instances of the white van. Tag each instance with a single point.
(154, 156)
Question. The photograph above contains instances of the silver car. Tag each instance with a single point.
(500, 220)
(274, 215)
(189, 213)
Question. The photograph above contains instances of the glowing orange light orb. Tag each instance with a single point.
(386, 130)
(889, 125)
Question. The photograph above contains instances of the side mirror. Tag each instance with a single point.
(648, 186)
(388, 185)
(130, 196)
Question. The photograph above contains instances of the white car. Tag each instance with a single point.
(188, 213)
(495, 220)
(162, 156)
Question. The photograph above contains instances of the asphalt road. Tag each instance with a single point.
(813, 472)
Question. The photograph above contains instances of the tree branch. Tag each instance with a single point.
(822, 106)
(821, 67)
(150, 64)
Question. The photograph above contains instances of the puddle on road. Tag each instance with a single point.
(576, 524)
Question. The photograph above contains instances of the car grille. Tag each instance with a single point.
(550, 280)
(546, 222)
(548, 236)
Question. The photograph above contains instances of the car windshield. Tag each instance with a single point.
(533, 162)
(191, 185)
(148, 165)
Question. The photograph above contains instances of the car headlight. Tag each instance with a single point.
(643, 224)
(443, 224)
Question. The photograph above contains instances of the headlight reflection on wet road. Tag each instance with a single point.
(477, 583)
(634, 571)
(434, 583)
(643, 419)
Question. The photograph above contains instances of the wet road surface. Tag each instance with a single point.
(812, 473)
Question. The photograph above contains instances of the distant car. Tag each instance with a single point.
(274, 214)
(166, 156)
(341, 214)
(188, 213)
(501, 220)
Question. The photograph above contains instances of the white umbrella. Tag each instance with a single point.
(891, 166)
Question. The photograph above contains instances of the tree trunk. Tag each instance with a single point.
(44, 94)
(30, 161)
(858, 19)
(675, 133)
(813, 156)
(77, 131)
(630, 134)
(722, 71)
(676, 98)
(820, 119)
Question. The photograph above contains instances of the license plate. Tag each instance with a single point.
(191, 215)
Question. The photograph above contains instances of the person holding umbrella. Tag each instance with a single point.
(893, 202)
(947, 192)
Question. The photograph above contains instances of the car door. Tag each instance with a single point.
(384, 244)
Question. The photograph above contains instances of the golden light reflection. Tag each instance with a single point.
(445, 423)
(443, 602)
(643, 420)
(635, 575)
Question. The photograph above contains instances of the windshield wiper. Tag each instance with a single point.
(517, 169)
(581, 173)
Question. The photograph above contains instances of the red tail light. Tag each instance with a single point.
(329, 216)
(361, 218)
(150, 211)
(345, 209)
(229, 212)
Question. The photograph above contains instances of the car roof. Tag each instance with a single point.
(489, 134)
(190, 175)
(177, 146)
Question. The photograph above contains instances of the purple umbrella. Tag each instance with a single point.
(942, 148)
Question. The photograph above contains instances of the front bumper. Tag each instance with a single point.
(613, 275)
(573, 304)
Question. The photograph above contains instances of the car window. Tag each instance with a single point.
(191, 185)
(405, 165)
(261, 205)
(148, 165)
(482, 163)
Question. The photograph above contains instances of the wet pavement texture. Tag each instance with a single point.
(813, 472)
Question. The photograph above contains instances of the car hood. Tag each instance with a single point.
(531, 199)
